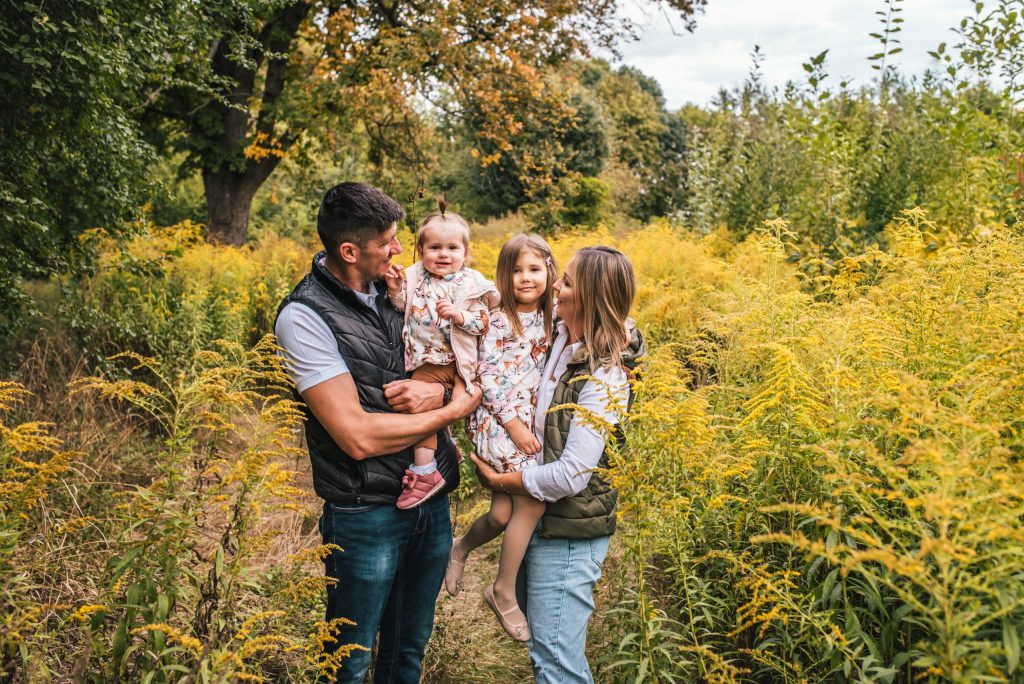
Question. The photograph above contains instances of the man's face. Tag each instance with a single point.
(375, 256)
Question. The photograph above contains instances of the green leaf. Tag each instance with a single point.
(124, 563)
(163, 607)
(218, 562)
(1011, 643)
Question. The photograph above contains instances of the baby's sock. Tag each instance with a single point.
(424, 469)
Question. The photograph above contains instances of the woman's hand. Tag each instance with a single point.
(506, 483)
(395, 279)
(487, 475)
(522, 437)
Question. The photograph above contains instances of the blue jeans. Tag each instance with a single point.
(556, 585)
(389, 574)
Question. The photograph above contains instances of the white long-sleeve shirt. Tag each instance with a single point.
(605, 395)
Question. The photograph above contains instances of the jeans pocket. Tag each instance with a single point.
(598, 552)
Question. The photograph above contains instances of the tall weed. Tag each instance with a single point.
(844, 500)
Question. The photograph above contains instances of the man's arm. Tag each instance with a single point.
(363, 434)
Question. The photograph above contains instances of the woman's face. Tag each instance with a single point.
(565, 300)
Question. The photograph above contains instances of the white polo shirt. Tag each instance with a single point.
(308, 346)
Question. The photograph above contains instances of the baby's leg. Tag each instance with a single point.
(423, 480)
(526, 512)
(485, 528)
(423, 451)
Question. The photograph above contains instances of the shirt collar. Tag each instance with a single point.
(562, 330)
(367, 297)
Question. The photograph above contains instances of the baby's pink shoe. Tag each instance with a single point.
(418, 488)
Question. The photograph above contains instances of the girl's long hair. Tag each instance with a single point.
(604, 286)
(504, 278)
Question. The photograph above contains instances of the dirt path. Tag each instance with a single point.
(468, 646)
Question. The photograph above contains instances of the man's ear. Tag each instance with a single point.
(349, 252)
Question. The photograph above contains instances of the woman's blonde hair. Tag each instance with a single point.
(442, 217)
(505, 278)
(604, 287)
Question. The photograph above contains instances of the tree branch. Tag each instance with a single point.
(278, 37)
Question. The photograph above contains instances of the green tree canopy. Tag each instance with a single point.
(72, 79)
(277, 71)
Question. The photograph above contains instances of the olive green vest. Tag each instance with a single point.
(591, 513)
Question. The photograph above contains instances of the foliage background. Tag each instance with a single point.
(823, 474)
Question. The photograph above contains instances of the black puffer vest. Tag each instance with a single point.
(371, 344)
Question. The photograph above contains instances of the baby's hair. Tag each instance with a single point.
(442, 217)
(507, 258)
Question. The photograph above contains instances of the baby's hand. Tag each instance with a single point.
(395, 278)
(448, 312)
(522, 436)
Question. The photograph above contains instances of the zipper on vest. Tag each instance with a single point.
(380, 319)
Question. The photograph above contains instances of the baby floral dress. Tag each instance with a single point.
(510, 369)
(427, 336)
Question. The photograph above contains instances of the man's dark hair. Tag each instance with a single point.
(355, 212)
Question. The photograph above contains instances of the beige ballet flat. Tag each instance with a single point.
(520, 631)
(453, 573)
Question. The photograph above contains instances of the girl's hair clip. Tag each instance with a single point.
(549, 261)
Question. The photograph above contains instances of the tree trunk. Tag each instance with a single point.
(228, 200)
(231, 180)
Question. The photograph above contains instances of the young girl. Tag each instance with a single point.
(445, 307)
(511, 361)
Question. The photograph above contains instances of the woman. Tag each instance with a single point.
(595, 339)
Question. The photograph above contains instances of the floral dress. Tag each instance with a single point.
(510, 369)
(427, 336)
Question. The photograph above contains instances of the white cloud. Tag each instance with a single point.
(693, 67)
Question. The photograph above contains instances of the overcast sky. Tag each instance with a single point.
(691, 67)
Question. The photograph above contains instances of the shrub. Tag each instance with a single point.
(167, 294)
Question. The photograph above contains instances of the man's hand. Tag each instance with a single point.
(522, 437)
(395, 279)
(414, 396)
(448, 312)
(487, 475)
(463, 403)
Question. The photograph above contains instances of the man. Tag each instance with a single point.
(343, 342)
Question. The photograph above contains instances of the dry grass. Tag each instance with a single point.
(469, 646)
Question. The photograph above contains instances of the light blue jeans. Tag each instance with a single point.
(556, 585)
